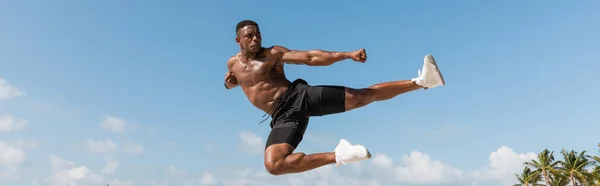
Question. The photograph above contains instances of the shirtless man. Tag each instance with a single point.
(259, 72)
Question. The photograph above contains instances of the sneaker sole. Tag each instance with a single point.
(440, 77)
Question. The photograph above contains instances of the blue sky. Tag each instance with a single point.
(520, 75)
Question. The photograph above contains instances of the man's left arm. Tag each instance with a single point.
(318, 57)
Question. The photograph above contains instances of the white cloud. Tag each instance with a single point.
(101, 146)
(208, 179)
(64, 172)
(176, 176)
(8, 91)
(251, 142)
(9, 123)
(111, 165)
(419, 168)
(413, 169)
(11, 156)
(382, 161)
(113, 124)
(504, 163)
(323, 176)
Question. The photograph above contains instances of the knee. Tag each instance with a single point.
(274, 168)
(359, 97)
(275, 158)
(285, 165)
(367, 95)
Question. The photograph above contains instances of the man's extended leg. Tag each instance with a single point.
(429, 78)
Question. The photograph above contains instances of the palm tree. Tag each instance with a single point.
(558, 179)
(574, 166)
(595, 178)
(528, 178)
(544, 164)
(595, 174)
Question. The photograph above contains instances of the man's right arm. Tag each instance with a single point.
(317, 57)
(230, 80)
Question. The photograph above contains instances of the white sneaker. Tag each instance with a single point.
(347, 153)
(431, 75)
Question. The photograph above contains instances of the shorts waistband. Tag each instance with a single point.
(282, 100)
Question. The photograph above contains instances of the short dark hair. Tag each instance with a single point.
(244, 23)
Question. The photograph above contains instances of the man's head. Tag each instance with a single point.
(248, 36)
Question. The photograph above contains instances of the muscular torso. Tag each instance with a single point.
(262, 79)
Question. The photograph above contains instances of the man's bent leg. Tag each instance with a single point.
(279, 158)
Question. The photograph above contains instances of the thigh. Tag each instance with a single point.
(325, 99)
(291, 133)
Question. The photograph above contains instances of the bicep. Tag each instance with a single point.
(293, 56)
(296, 57)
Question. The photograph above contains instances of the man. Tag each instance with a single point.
(259, 72)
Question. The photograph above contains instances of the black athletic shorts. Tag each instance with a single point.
(293, 109)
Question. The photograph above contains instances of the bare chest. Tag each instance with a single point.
(254, 71)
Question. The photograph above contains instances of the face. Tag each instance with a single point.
(249, 38)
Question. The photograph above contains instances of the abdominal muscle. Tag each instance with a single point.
(263, 94)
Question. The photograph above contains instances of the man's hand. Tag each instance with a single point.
(230, 80)
(359, 55)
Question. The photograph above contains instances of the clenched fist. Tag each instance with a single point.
(359, 55)
(230, 80)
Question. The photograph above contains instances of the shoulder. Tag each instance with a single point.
(278, 50)
(231, 61)
(232, 58)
